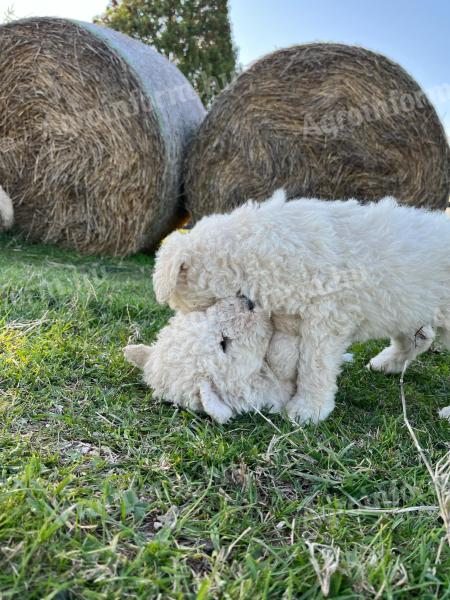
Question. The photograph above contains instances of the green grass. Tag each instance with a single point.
(107, 493)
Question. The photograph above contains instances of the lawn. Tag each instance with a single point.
(107, 493)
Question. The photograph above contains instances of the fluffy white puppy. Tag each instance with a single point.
(342, 271)
(215, 361)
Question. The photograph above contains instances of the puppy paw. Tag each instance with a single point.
(444, 413)
(301, 410)
(219, 412)
(386, 362)
(213, 405)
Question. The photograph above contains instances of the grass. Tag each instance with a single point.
(106, 493)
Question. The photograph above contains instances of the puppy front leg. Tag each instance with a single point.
(319, 365)
(213, 405)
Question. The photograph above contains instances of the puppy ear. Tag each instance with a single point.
(138, 355)
(213, 405)
(171, 263)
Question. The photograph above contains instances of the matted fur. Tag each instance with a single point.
(331, 272)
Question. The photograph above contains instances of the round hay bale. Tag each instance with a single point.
(322, 120)
(94, 128)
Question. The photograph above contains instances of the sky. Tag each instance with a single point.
(414, 33)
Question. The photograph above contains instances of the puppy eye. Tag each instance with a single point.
(224, 343)
(250, 304)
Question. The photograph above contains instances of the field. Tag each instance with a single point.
(107, 493)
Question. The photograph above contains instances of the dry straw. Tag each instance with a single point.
(93, 132)
(323, 120)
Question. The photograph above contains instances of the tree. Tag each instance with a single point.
(9, 15)
(193, 34)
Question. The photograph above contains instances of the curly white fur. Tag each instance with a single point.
(6, 210)
(331, 272)
(214, 361)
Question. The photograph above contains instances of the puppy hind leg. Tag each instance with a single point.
(443, 321)
(403, 348)
(444, 336)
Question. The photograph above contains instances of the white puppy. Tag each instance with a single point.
(214, 361)
(344, 272)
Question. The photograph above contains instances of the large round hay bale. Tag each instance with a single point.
(321, 120)
(94, 127)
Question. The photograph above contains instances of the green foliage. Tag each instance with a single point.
(106, 492)
(194, 34)
(8, 15)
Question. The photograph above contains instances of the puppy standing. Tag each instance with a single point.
(348, 272)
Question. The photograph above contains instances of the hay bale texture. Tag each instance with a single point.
(94, 127)
(322, 120)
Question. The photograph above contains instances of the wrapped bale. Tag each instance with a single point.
(322, 120)
(94, 128)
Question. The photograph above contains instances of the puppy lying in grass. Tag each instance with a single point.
(223, 361)
(341, 271)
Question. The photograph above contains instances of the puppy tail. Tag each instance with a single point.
(138, 355)
(6, 210)
(278, 197)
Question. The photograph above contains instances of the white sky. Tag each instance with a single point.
(83, 10)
